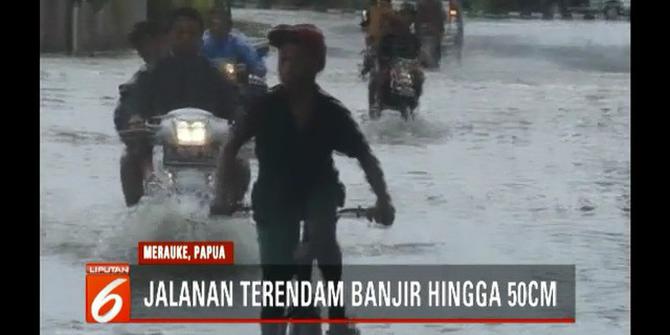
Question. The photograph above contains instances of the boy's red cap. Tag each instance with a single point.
(307, 35)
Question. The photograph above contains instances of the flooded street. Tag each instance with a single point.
(520, 154)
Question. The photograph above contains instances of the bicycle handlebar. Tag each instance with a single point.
(354, 212)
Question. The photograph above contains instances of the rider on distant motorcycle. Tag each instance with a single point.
(430, 19)
(376, 26)
(185, 78)
(431, 12)
(379, 20)
(220, 42)
(147, 38)
(408, 10)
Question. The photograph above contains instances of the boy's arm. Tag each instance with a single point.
(352, 142)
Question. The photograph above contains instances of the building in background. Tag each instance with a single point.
(86, 26)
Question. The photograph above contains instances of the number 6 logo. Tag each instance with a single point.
(103, 298)
(107, 297)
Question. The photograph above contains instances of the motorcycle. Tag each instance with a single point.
(452, 38)
(186, 143)
(405, 81)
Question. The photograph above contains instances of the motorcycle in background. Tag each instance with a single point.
(452, 39)
(402, 88)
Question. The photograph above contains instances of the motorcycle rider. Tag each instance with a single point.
(149, 41)
(220, 42)
(431, 12)
(297, 126)
(184, 78)
(408, 10)
(430, 19)
(380, 13)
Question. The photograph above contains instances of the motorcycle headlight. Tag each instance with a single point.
(191, 132)
(404, 77)
(230, 69)
(453, 12)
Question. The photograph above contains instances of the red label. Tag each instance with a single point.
(107, 292)
(200, 252)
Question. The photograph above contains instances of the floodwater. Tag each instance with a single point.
(520, 154)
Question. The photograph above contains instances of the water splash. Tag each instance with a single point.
(392, 129)
(180, 218)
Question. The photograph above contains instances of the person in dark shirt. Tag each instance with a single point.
(432, 15)
(297, 127)
(430, 19)
(183, 78)
(220, 42)
(149, 41)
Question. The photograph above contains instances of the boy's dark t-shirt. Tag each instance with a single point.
(296, 165)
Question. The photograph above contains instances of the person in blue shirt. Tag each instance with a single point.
(220, 42)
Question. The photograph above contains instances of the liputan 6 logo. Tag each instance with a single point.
(107, 292)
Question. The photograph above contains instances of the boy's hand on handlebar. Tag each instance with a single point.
(383, 212)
